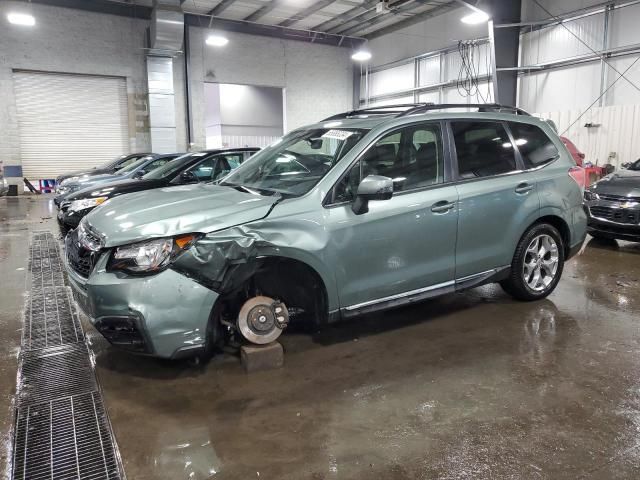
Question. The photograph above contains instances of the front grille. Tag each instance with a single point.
(618, 215)
(80, 259)
(618, 198)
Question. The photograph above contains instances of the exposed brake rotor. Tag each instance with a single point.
(262, 319)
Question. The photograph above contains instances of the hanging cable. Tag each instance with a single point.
(468, 82)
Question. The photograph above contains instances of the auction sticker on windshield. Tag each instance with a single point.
(338, 134)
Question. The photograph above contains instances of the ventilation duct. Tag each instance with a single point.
(167, 26)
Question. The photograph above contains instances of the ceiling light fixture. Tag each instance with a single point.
(21, 19)
(361, 55)
(475, 18)
(216, 40)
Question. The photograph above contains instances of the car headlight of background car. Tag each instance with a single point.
(78, 205)
(150, 256)
(590, 196)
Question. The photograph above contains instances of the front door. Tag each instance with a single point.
(403, 244)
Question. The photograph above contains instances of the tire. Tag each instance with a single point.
(542, 273)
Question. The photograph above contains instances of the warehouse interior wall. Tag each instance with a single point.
(604, 129)
(318, 79)
(242, 115)
(109, 46)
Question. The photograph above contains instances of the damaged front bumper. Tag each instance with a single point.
(163, 315)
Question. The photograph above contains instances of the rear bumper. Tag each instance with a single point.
(164, 315)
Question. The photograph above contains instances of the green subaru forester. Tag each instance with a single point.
(367, 210)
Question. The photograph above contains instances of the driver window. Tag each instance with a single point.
(412, 157)
(204, 170)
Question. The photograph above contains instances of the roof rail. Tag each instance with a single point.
(404, 109)
(482, 107)
(381, 110)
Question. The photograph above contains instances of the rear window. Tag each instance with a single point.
(536, 148)
(483, 149)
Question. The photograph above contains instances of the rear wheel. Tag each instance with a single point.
(537, 264)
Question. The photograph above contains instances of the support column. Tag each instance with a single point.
(505, 49)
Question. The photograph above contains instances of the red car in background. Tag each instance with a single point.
(585, 176)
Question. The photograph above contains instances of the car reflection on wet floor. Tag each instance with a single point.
(470, 385)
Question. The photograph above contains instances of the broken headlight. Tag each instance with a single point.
(150, 256)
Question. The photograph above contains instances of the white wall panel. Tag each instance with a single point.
(391, 80)
(623, 26)
(429, 69)
(616, 134)
(559, 42)
(560, 89)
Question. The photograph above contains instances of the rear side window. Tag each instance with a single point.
(536, 148)
(483, 149)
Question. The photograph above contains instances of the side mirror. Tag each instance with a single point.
(139, 174)
(188, 177)
(372, 187)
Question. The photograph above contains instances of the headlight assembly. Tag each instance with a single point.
(150, 256)
(85, 203)
(590, 196)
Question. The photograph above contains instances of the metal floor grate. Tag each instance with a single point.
(50, 319)
(61, 428)
(67, 438)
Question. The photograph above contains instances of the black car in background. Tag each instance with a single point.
(613, 205)
(206, 166)
(110, 167)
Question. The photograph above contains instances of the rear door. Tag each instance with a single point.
(497, 198)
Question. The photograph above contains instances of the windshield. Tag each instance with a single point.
(635, 165)
(132, 166)
(293, 165)
(113, 163)
(170, 168)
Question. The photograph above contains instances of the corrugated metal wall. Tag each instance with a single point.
(614, 141)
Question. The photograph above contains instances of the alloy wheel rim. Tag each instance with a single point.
(540, 263)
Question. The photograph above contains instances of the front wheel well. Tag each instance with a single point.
(291, 281)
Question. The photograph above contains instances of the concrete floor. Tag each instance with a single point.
(471, 385)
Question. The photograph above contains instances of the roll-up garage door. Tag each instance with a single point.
(69, 122)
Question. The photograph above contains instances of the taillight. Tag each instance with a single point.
(578, 174)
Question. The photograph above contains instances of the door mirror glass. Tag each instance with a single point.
(372, 187)
(139, 173)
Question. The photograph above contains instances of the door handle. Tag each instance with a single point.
(442, 206)
(523, 188)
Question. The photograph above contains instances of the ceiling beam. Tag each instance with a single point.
(417, 18)
(276, 31)
(346, 16)
(262, 11)
(396, 7)
(406, 7)
(306, 12)
(221, 7)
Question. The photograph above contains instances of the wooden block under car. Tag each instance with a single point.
(262, 357)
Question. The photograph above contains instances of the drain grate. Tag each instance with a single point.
(61, 428)
(50, 319)
(65, 438)
(55, 372)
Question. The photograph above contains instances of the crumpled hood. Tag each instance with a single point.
(624, 183)
(169, 211)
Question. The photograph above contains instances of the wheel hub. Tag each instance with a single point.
(262, 319)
